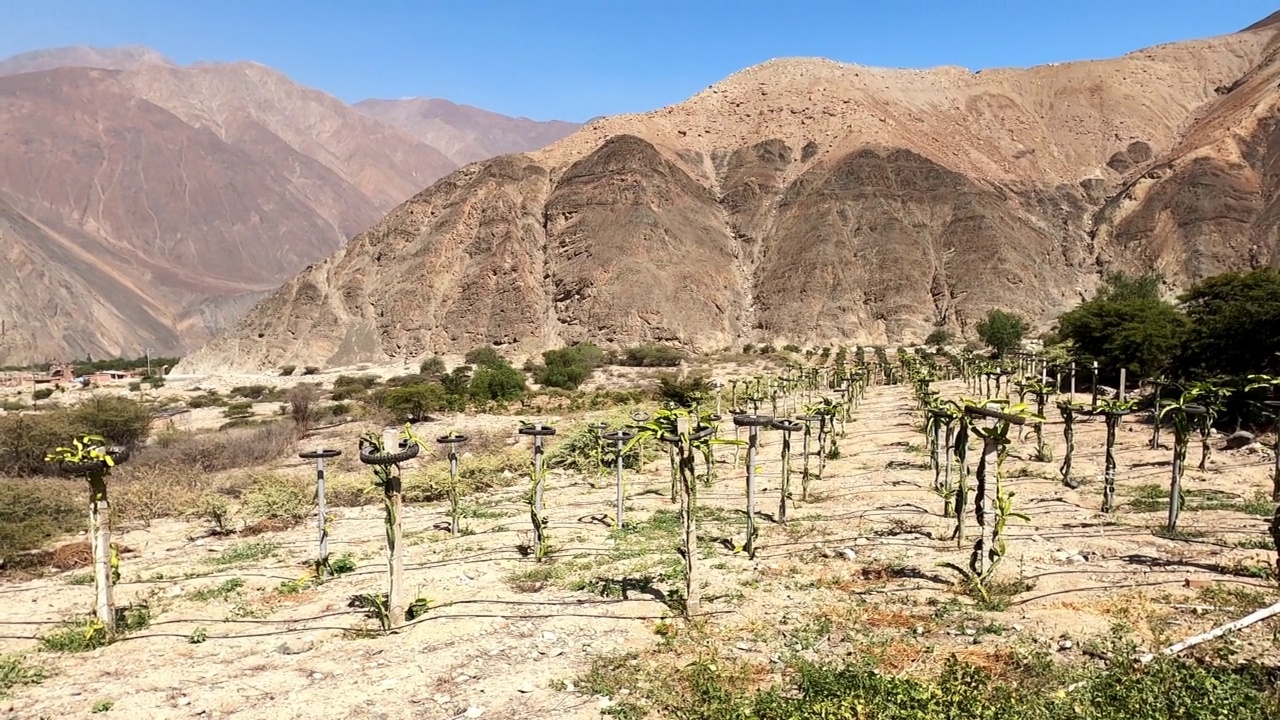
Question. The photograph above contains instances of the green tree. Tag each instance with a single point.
(1002, 331)
(485, 356)
(1234, 324)
(414, 402)
(1128, 325)
(497, 382)
(569, 367)
(432, 367)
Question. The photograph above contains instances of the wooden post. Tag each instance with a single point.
(100, 531)
(1122, 384)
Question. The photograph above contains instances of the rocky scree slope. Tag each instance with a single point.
(809, 201)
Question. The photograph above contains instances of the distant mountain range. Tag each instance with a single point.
(149, 205)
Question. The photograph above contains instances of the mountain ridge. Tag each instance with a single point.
(801, 201)
(191, 191)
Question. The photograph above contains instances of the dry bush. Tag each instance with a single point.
(279, 497)
(430, 482)
(213, 508)
(223, 450)
(36, 511)
(477, 473)
(269, 525)
(304, 404)
(148, 493)
(349, 489)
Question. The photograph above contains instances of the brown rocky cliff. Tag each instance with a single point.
(813, 202)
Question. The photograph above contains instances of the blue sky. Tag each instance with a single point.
(576, 59)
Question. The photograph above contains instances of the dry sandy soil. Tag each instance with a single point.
(855, 569)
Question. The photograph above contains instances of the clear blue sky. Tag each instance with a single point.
(575, 59)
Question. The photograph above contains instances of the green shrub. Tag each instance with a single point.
(238, 410)
(41, 394)
(485, 356)
(287, 370)
(121, 420)
(15, 670)
(940, 336)
(279, 497)
(791, 348)
(1166, 689)
(25, 438)
(413, 402)
(653, 355)
(432, 367)
(567, 368)
(685, 392)
(207, 399)
(256, 392)
(499, 382)
(311, 370)
(35, 512)
(362, 382)
(1002, 331)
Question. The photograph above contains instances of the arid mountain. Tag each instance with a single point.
(814, 202)
(465, 133)
(183, 195)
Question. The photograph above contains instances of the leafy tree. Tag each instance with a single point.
(1128, 325)
(485, 356)
(432, 366)
(1234, 321)
(1002, 331)
(497, 382)
(940, 336)
(567, 368)
(684, 392)
(414, 402)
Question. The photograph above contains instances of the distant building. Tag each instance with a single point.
(172, 419)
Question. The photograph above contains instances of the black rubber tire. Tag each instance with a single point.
(786, 425)
(451, 439)
(1273, 404)
(760, 421)
(619, 436)
(369, 455)
(82, 468)
(119, 456)
(715, 418)
(995, 414)
(639, 417)
(701, 433)
(317, 454)
(1195, 410)
(940, 414)
(537, 430)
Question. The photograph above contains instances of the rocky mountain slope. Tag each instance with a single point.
(462, 132)
(814, 202)
(183, 194)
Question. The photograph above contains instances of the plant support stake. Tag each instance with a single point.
(540, 546)
(752, 423)
(620, 438)
(451, 441)
(322, 510)
(386, 468)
